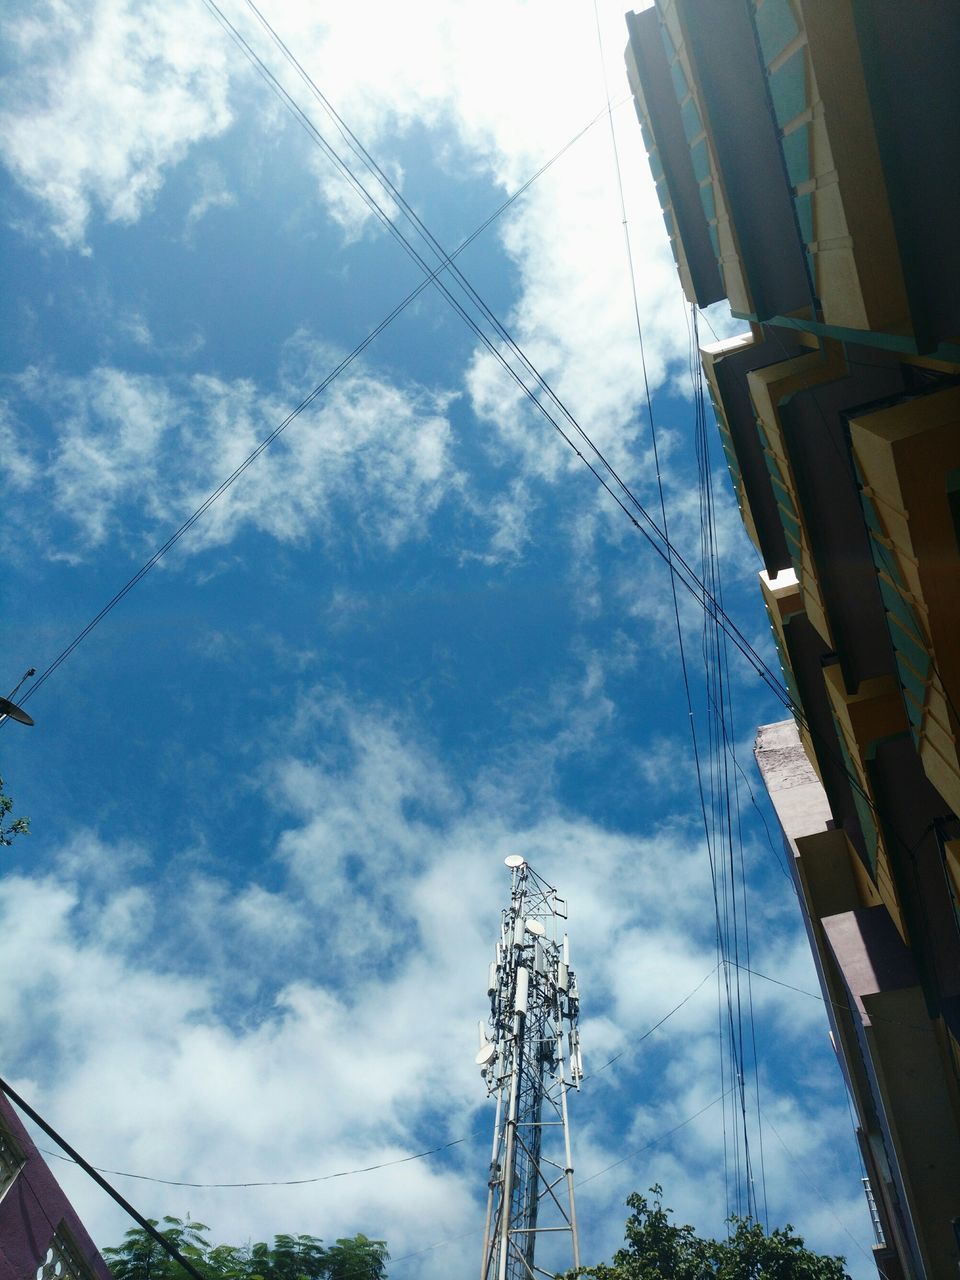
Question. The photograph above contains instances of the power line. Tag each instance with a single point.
(280, 1182)
(834, 1004)
(631, 1048)
(636, 1151)
(295, 413)
(722, 937)
(124, 1204)
(386, 1164)
(671, 556)
(651, 532)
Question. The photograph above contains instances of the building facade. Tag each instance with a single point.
(807, 159)
(41, 1237)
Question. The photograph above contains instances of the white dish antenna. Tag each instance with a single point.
(536, 928)
(513, 860)
(486, 1055)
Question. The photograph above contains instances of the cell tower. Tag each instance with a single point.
(530, 1058)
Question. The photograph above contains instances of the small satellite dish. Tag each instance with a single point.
(536, 928)
(514, 860)
(486, 1055)
(8, 708)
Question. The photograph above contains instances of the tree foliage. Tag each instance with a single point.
(10, 828)
(656, 1248)
(301, 1257)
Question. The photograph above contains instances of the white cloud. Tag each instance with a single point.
(432, 70)
(104, 102)
(196, 1029)
(186, 1029)
(213, 194)
(138, 448)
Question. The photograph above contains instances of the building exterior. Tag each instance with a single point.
(41, 1237)
(807, 159)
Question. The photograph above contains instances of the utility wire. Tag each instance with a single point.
(676, 563)
(656, 1026)
(691, 718)
(295, 413)
(88, 1168)
(280, 1182)
(636, 1151)
(347, 1173)
(629, 500)
(834, 1004)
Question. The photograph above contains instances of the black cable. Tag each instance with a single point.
(691, 720)
(124, 1204)
(694, 585)
(346, 1173)
(656, 1026)
(688, 577)
(652, 1143)
(281, 1182)
(844, 1007)
(268, 440)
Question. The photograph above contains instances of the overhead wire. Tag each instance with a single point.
(111, 1191)
(636, 1151)
(716, 609)
(833, 1213)
(715, 695)
(649, 528)
(719, 747)
(385, 1164)
(723, 717)
(677, 565)
(281, 1182)
(318, 390)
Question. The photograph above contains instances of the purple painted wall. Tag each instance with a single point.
(33, 1209)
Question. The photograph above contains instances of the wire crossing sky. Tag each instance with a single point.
(271, 794)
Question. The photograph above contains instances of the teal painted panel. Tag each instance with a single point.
(783, 496)
(667, 42)
(663, 194)
(790, 524)
(708, 202)
(788, 88)
(773, 466)
(715, 241)
(776, 27)
(862, 805)
(911, 681)
(690, 116)
(914, 711)
(701, 160)
(656, 168)
(900, 609)
(733, 462)
(905, 643)
(796, 153)
(647, 136)
(805, 217)
(872, 516)
(886, 562)
(679, 81)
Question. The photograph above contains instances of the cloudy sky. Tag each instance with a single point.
(272, 792)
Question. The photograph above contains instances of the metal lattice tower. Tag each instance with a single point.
(530, 1058)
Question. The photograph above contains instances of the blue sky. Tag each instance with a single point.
(271, 794)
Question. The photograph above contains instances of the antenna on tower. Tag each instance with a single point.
(530, 1057)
